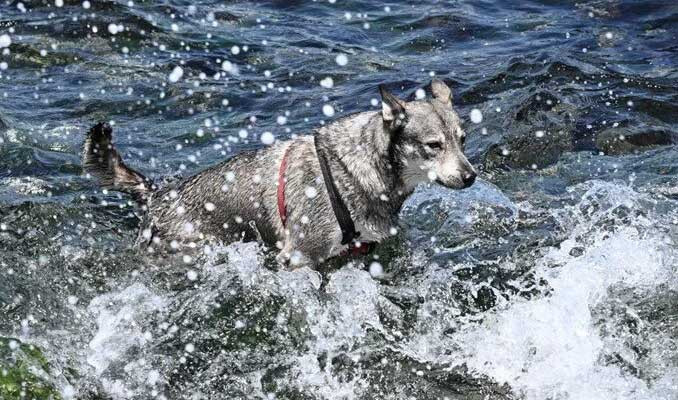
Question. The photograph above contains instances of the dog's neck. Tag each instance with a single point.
(363, 148)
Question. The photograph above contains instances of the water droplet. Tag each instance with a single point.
(310, 192)
(376, 269)
(341, 60)
(5, 41)
(476, 116)
(328, 110)
(191, 275)
(267, 138)
(327, 83)
(176, 74)
(114, 29)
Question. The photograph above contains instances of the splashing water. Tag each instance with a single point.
(556, 346)
(553, 277)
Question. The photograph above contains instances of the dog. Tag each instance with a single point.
(318, 196)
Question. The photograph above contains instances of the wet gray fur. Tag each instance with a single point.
(377, 158)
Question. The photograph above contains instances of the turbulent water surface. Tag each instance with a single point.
(553, 277)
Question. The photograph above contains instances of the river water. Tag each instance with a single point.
(554, 277)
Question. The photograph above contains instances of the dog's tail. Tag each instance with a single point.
(100, 159)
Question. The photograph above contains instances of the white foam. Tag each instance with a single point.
(338, 323)
(551, 346)
(120, 318)
(338, 316)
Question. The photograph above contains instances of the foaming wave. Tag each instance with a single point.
(121, 333)
(553, 347)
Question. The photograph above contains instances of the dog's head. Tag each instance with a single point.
(427, 138)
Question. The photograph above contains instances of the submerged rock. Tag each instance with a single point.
(24, 372)
(624, 140)
(526, 150)
(542, 128)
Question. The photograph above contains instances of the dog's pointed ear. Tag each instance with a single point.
(441, 91)
(392, 108)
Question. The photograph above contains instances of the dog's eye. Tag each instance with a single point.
(434, 145)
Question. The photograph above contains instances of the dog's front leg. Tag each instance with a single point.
(290, 258)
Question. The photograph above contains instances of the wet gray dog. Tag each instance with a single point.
(314, 197)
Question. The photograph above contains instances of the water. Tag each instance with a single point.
(554, 277)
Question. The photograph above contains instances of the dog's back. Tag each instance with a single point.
(233, 200)
(224, 201)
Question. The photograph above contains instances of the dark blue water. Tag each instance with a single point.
(554, 277)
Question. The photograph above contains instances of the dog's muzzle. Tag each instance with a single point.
(466, 180)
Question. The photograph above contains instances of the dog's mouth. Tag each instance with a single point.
(458, 184)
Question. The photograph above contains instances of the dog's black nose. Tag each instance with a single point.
(469, 178)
